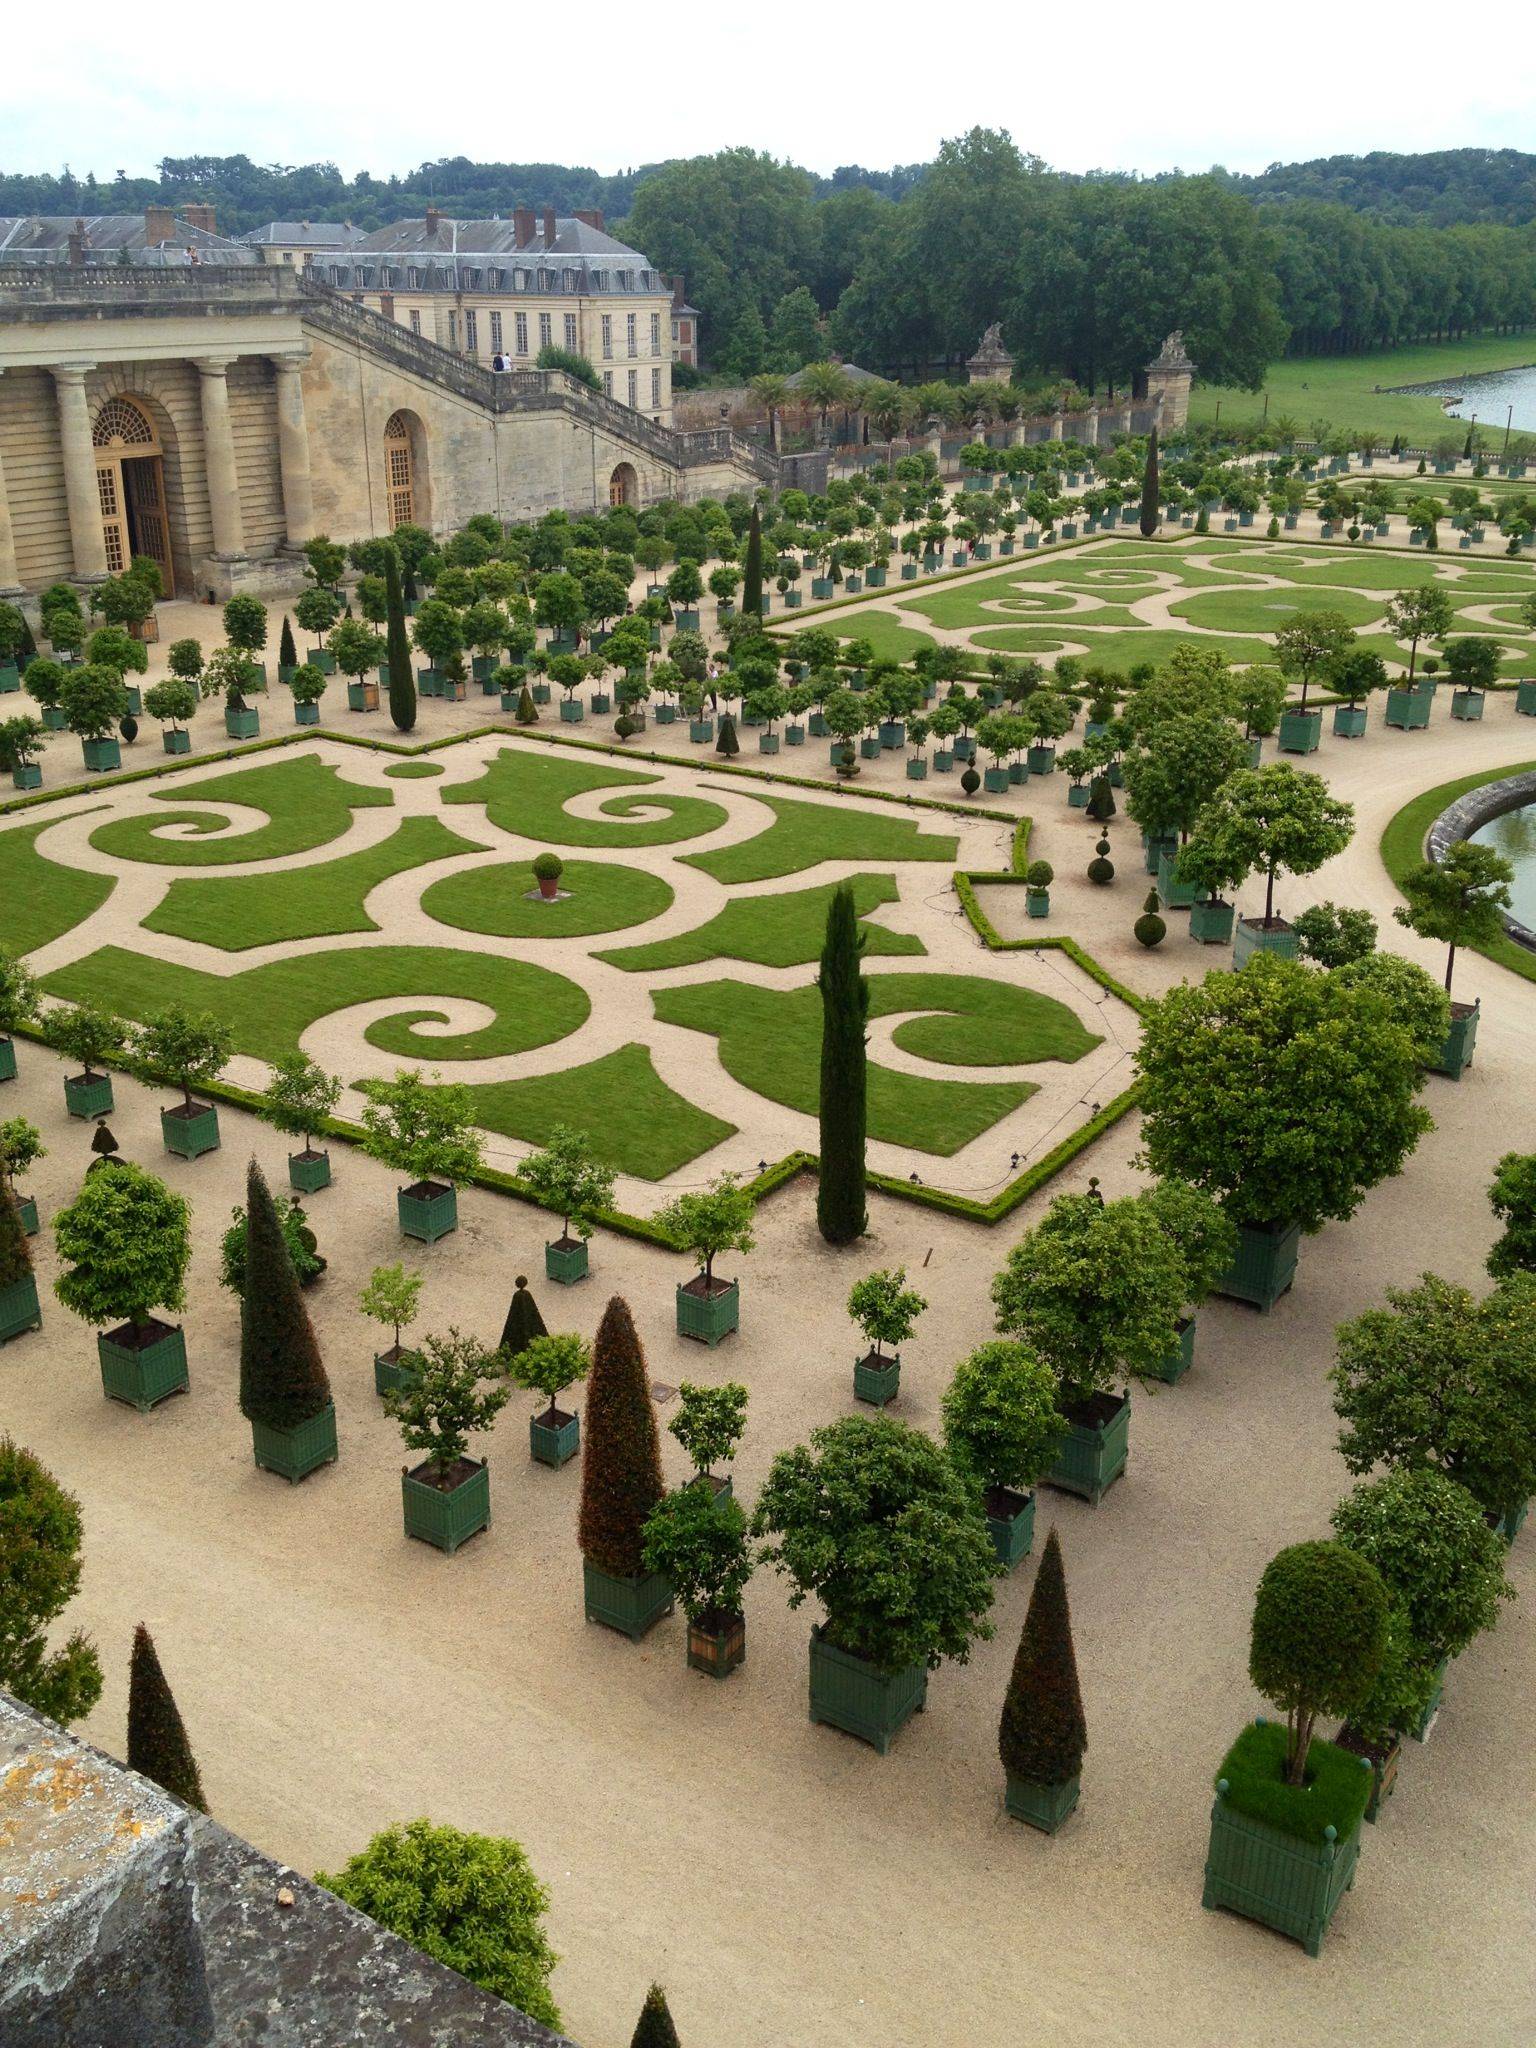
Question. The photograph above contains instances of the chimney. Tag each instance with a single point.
(522, 226)
(550, 230)
(679, 295)
(78, 241)
(434, 222)
(199, 217)
(592, 216)
(159, 225)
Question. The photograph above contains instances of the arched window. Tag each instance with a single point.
(130, 485)
(399, 471)
(624, 486)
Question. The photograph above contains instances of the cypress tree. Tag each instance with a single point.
(282, 1381)
(287, 653)
(1042, 1734)
(654, 2028)
(157, 1738)
(621, 1465)
(1149, 489)
(524, 1322)
(840, 1197)
(752, 575)
(402, 684)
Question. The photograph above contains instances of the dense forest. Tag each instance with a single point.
(901, 270)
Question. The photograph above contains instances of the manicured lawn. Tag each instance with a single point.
(525, 792)
(1116, 650)
(1402, 847)
(770, 1041)
(886, 634)
(804, 834)
(602, 896)
(772, 931)
(236, 912)
(635, 1122)
(306, 801)
(270, 1007)
(39, 899)
(1343, 389)
(406, 771)
(1271, 611)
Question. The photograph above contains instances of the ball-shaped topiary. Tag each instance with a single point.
(1101, 869)
(1039, 875)
(1319, 1635)
(548, 867)
(1149, 929)
(970, 782)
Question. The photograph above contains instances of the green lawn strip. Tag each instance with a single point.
(236, 912)
(504, 900)
(406, 770)
(771, 931)
(1268, 611)
(270, 1007)
(1118, 650)
(1354, 392)
(306, 801)
(41, 899)
(770, 1041)
(526, 793)
(890, 638)
(635, 1122)
(802, 835)
(1402, 847)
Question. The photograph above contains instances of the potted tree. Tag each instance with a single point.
(393, 1298)
(13, 637)
(297, 1101)
(696, 1542)
(1002, 1426)
(173, 701)
(886, 1310)
(547, 870)
(359, 652)
(876, 1521)
(436, 633)
(716, 1219)
(447, 1498)
(567, 1179)
(1206, 1239)
(1285, 1826)
(307, 685)
(1472, 663)
(620, 1483)
(21, 1146)
(19, 1307)
(547, 1364)
(709, 1425)
(1354, 675)
(423, 1127)
(91, 1035)
(1302, 650)
(1038, 877)
(180, 1049)
(1266, 820)
(45, 684)
(1170, 779)
(1460, 900)
(284, 1393)
(1042, 1734)
(232, 673)
(21, 740)
(93, 701)
(245, 631)
(125, 1242)
(303, 1247)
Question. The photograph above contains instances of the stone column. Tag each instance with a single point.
(293, 449)
(80, 489)
(10, 581)
(219, 458)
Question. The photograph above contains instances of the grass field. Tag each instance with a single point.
(772, 931)
(635, 1122)
(1343, 389)
(527, 793)
(307, 805)
(40, 900)
(599, 896)
(804, 834)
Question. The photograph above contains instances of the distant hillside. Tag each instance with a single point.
(1437, 188)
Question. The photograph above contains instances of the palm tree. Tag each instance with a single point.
(937, 401)
(824, 387)
(772, 393)
(888, 409)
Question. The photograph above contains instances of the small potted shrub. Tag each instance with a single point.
(21, 1146)
(1038, 877)
(1002, 1426)
(875, 1520)
(1042, 1734)
(284, 1392)
(94, 701)
(174, 701)
(393, 1298)
(568, 1180)
(232, 674)
(297, 1101)
(18, 1008)
(125, 1242)
(45, 683)
(447, 1498)
(708, 1425)
(696, 1540)
(547, 1364)
(303, 1247)
(620, 1483)
(547, 870)
(359, 653)
(1285, 1827)
(419, 1126)
(19, 1307)
(717, 1219)
(886, 1310)
(307, 684)
(180, 1049)
(91, 1035)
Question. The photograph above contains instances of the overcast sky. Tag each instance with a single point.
(386, 87)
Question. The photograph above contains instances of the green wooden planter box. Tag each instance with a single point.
(876, 1381)
(602, 703)
(1037, 902)
(1176, 894)
(1460, 1040)
(10, 678)
(322, 659)
(1077, 796)
(852, 1694)
(1092, 1455)
(53, 718)
(1210, 921)
(143, 1374)
(101, 756)
(541, 693)
(1157, 844)
(428, 1210)
(1181, 1357)
(446, 1520)
(686, 621)
(360, 697)
(294, 1453)
(1013, 1534)
(701, 731)
(1265, 1264)
(709, 1317)
(666, 714)
(717, 1651)
(572, 711)
(909, 572)
(1467, 705)
(893, 734)
(767, 743)
(632, 1606)
(242, 725)
(1043, 1806)
(794, 735)
(395, 1371)
(189, 1137)
(1300, 731)
(1275, 1878)
(307, 714)
(88, 1095)
(869, 748)
(1041, 760)
(566, 1260)
(19, 1308)
(309, 1172)
(429, 682)
(1509, 1524)
(26, 1209)
(1409, 710)
(7, 1059)
(943, 760)
(1349, 721)
(175, 741)
(994, 780)
(1254, 936)
(1525, 699)
(554, 1443)
(27, 775)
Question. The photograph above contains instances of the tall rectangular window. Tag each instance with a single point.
(453, 330)
(607, 334)
(471, 333)
(629, 334)
(520, 328)
(655, 387)
(495, 334)
(570, 332)
(655, 334)
(546, 331)
(608, 383)
(415, 319)
(634, 387)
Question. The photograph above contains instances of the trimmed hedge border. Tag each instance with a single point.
(1402, 847)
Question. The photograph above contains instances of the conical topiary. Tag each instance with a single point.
(654, 2028)
(524, 1322)
(1042, 1734)
(157, 1739)
(402, 684)
(727, 743)
(282, 1381)
(841, 1206)
(104, 1145)
(621, 1467)
(287, 653)
(527, 710)
(752, 573)
(1149, 489)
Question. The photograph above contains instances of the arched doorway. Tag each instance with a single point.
(130, 482)
(399, 471)
(624, 486)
